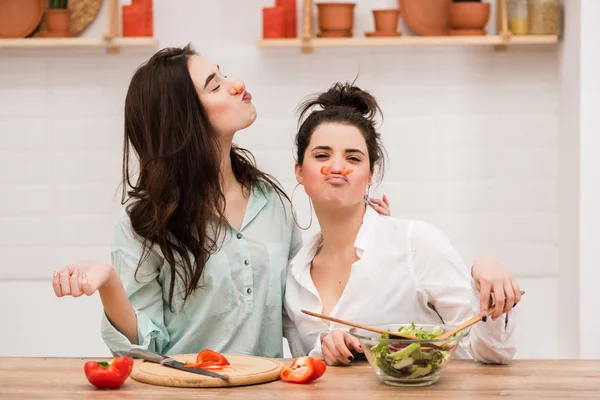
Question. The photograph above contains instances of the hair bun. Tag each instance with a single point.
(348, 95)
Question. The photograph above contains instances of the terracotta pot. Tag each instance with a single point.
(426, 17)
(386, 20)
(58, 20)
(469, 15)
(336, 16)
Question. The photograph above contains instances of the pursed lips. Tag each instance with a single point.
(335, 178)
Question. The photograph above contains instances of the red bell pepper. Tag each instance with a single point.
(303, 370)
(208, 359)
(108, 376)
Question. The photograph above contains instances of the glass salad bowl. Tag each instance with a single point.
(405, 362)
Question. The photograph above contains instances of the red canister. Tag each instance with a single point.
(290, 17)
(273, 22)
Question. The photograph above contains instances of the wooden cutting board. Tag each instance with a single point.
(244, 370)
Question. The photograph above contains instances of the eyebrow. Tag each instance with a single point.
(211, 77)
(328, 148)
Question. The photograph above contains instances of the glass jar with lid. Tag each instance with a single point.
(545, 17)
(517, 17)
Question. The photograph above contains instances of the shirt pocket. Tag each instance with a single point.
(278, 262)
(214, 296)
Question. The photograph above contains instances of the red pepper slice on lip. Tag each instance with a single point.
(324, 170)
(303, 370)
(106, 375)
(347, 171)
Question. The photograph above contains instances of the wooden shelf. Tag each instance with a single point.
(489, 40)
(306, 42)
(111, 41)
(77, 42)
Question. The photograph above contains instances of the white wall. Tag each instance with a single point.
(569, 180)
(590, 180)
(471, 136)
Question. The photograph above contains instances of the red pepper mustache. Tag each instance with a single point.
(346, 172)
(235, 90)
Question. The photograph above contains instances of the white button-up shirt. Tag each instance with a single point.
(407, 272)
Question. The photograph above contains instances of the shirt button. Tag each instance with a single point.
(246, 262)
(249, 290)
(239, 235)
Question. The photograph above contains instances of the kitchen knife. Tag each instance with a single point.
(170, 362)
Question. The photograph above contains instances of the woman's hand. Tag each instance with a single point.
(82, 278)
(494, 280)
(381, 206)
(336, 347)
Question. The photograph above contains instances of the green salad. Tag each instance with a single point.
(411, 361)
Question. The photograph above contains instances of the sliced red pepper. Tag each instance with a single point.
(208, 359)
(204, 365)
(209, 355)
(108, 376)
(347, 171)
(324, 170)
(303, 370)
(320, 368)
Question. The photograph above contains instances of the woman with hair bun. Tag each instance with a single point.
(370, 268)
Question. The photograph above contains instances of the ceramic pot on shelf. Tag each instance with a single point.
(386, 23)
(468, 18)
(335, 19)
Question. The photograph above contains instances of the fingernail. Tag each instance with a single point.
(484, 318)
(55, 274)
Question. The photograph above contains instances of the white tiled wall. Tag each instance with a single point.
(471, 136)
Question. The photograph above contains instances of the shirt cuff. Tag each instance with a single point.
(150, 337)
(316, 351)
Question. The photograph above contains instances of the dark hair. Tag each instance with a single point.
(343, 103)
(178, 203)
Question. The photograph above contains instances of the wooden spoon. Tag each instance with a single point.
(472, 321)
(366, 328)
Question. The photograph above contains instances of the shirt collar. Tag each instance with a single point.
(257, 200)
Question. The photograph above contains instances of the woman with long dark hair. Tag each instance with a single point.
(201, 247)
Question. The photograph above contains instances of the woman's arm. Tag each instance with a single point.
(133, 304)
(450, 289)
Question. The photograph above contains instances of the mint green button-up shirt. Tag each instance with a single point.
(237, 309)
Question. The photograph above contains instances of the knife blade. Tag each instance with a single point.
(170, 362)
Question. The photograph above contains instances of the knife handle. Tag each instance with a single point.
(146, 355)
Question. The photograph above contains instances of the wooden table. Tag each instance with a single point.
(63, 378)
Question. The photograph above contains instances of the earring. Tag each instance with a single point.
(367, 197)
(294, 211)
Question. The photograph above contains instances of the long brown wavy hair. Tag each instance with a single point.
(177, 202)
